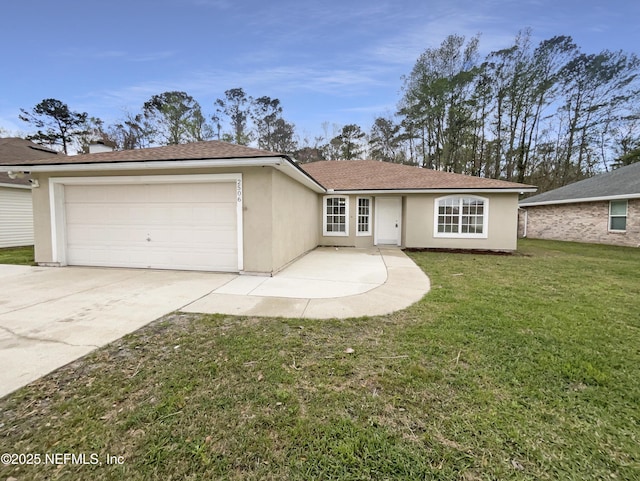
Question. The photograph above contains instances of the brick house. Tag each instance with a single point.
(604, 209)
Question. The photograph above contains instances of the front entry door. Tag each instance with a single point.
(388, 220)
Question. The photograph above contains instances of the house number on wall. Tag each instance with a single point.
(239, 190)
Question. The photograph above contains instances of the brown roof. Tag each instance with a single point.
(211, 149)
(375, 175)
(337, 175)
(14, 149)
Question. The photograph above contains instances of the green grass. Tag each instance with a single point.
(522, 367)
(17, 255)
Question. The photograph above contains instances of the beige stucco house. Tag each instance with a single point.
(604, 209)
(224, 207)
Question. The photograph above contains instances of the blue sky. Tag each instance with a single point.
(329, 61)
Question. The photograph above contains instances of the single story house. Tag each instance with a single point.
(604, 209)
(224, 207)
(16, 212)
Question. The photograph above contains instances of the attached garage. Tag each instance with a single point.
(205, 206)
(190, 222)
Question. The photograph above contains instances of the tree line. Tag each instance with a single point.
(175, 117)
(545, 114)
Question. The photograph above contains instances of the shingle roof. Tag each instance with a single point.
(211, 149)
(375, 175)
(624, 181)
(14, 149)
(337, 175)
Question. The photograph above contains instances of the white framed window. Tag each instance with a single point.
(461, 216)
(335, 215)
(364, 216)
(618, 215)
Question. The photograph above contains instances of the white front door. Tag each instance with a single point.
(388, 226)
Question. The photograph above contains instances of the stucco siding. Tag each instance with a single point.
(580, 222)
(502, 224)
(295, 225)
(16, 217)
(418, 224)
(42, 220)
(257, 191)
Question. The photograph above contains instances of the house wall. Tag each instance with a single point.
(258, 221)
(580, 222)
(295, 225)
(418, 224)
(16, 217)
(502, 224)
(351, 240)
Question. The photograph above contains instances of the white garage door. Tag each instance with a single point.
(161, 226)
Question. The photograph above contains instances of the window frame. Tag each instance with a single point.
(618, 216)
(325, 214)
(461, 235)
(368, 216)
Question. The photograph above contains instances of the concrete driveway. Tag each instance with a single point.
(52, 316)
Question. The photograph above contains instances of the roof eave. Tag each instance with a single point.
(280, 162)
(524, 203)
(294, 171)
(35, 166)
(450, 190)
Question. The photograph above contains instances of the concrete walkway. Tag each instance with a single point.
(50, 316)
(326, 283)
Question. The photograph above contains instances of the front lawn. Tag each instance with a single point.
(513, 367)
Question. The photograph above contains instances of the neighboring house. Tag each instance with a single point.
(603, 209)
(16, 213)
(225, 207)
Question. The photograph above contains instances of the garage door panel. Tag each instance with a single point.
(115, 256)
(197, 193)
(83, 214)
(200, 236)
(165, 226)
(101, 238)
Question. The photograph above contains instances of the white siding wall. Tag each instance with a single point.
(16, 217)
